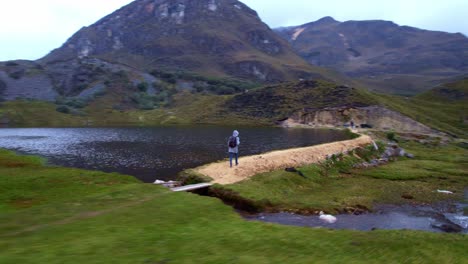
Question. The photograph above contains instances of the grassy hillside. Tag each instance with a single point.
(61, 215)
(443, 108)
(280, 101)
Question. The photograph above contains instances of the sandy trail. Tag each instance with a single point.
(277, 160)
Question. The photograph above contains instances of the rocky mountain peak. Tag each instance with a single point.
(209, 37)
(177, 11)
(326, 20)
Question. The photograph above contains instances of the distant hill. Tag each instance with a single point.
(321, 103)
(444, 107)
(387, 57)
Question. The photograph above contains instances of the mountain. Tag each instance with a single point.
(209, 37)
(141, 55)
(385, 56)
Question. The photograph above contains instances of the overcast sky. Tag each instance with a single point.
(31, 28)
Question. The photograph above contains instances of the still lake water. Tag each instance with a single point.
(152, 153)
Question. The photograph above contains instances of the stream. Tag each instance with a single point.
(441, 217)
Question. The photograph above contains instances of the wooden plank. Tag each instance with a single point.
(192, 187)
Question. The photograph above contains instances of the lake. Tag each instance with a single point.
(152, 153)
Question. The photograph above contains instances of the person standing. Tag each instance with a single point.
(233, 144)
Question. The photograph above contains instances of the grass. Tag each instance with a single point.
(37, 114)
(187, 108)
(78, 216)
(444, 108)
(433, 168)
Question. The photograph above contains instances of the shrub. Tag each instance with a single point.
(188, 177)
(76, 102)
(3, 86)
(63, 109)
(17, 74)
(144, 101)
(143, 87)
(391, 136)
(203, 84)
(350, 134)
(11, 64)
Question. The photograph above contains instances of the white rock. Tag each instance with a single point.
(444, 191)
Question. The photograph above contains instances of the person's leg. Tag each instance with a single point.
(237, 157)
(230, 158)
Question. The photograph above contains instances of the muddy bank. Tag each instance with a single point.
(277, 160)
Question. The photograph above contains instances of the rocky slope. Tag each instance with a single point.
(326, 104)
(165, 46)
(211, 37)
(386, 56)
(375, 117)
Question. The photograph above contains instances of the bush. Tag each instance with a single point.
(188, 177)
(143, 87)
(391, 136)
(11, 64)
(350, 134)
(76, 102)
(63, 109)
(144, 101)
(17, 74)
(369, 152)
(203, 84)
(3, 86)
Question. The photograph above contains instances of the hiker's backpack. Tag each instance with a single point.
(233, 142)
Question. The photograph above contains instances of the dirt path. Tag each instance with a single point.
(277, 160)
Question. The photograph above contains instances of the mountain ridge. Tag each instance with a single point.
(399, 59)
(222, 37)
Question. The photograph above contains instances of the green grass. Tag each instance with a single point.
(37, 114)
(187, 108)
(444, 108)
(433, 168)
(78, 216)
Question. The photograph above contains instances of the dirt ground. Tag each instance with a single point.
(277, 160)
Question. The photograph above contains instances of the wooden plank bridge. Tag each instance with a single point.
(188, 188)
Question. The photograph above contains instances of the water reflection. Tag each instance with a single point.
(152, 153)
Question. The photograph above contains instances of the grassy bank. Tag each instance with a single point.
(187, 109)
(443, 108)
(62, 215)
(339, 188)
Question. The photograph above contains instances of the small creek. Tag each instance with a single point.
(436, 218)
